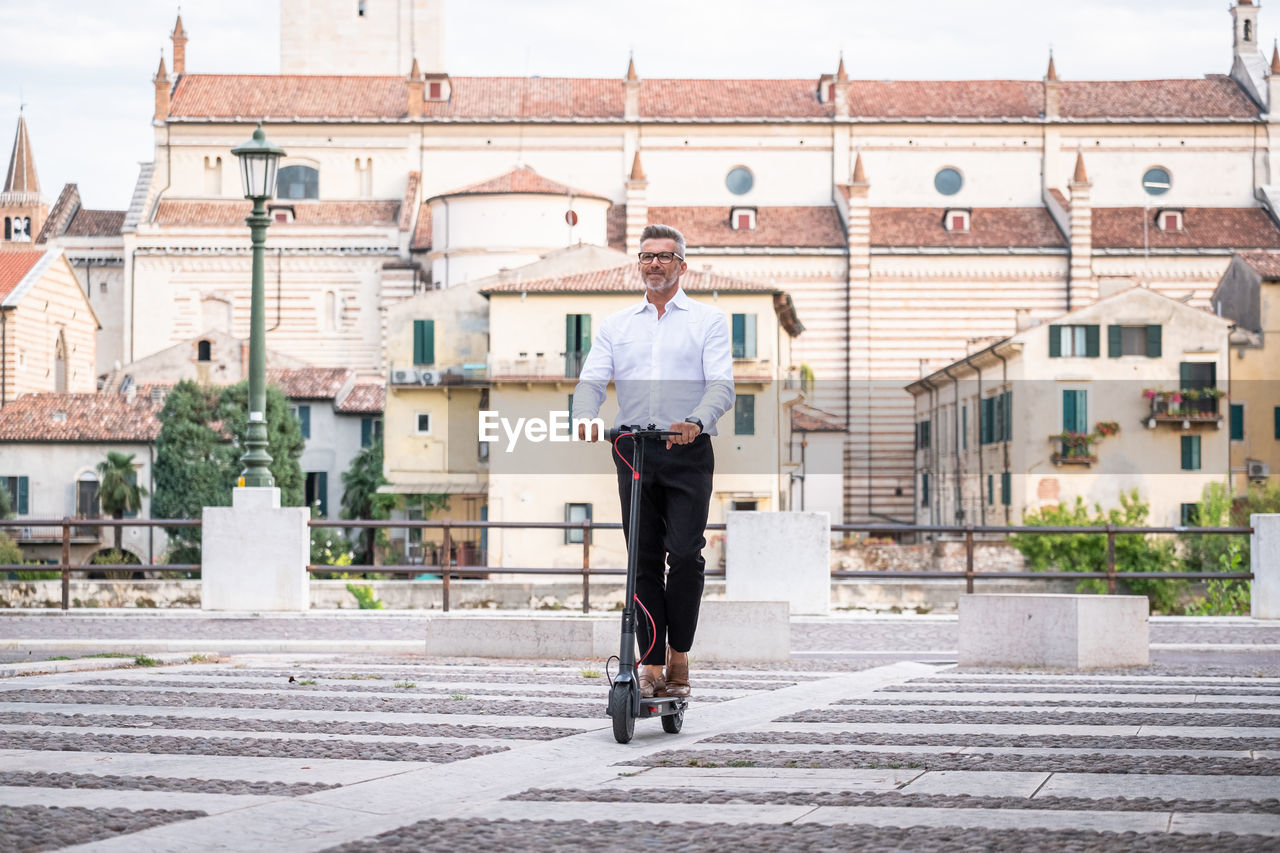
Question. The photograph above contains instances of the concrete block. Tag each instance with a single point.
(254, 554)
(727, 631)
(1264, 562)
(780, 556)
(1071, 631)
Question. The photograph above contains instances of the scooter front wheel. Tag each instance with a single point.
(620, 704)
(671, 723)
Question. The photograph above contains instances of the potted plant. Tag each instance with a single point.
(1105, 429)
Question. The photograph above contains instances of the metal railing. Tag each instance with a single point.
(448, 569)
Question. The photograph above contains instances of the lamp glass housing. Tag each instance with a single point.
(259, 160)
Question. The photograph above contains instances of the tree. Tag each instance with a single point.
(118, 489)
(6, 509)
(360, 498)
(284, 438)
(193, 467)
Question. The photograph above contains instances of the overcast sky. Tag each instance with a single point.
(83, 67)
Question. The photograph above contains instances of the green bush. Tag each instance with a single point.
(1225, 597)
(10, 553)
(1077, 552)
(364, 597)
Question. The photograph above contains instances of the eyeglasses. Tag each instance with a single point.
(662, 257)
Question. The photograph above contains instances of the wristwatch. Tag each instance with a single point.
(701, 428)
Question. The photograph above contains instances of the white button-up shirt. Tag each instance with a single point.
(666, 369)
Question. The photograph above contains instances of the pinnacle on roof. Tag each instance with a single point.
(637, 171)
(161, 73)
(859, 173)
(415, 72)
(178, 31)
(21, 177)
(1052, 74)
(842, 76)
(1275, 59)
(1080, 176)
(632, 77)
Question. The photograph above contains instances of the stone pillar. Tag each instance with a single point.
(1082, 288)
(780, 556)
(1264, 562)
(255, 553)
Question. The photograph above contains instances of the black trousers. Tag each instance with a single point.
(674, 497)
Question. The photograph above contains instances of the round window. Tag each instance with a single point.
(739, 180)
(948, 181)
(1156, 181)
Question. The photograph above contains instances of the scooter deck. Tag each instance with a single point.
(662, 706)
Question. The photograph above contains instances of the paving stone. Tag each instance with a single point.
(38, 827)
(991, 784)
(103, 798)
(1186, 785)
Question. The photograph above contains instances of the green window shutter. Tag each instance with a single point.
(1091, 341)
(1237, 421)
(739, 335)
(1190, 453)
(1114, 345)
(1068, 411)
(1055, 342)
(924, 490)
(1277, 418)
(744, 414)
(1007, 403)
(424, 341)
(322, 492)
(304, 420)
(1153, 341)
(24, 486)
(1006, 487)
(366, 432)
(984, 422)
(991, 489)
(1184, 375)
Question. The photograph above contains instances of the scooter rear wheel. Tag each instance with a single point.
(624, 723)
(671, 723)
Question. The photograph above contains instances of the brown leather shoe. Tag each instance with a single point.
(677, 673)
(651, 682)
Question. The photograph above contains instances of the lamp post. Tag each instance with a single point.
(258, 162)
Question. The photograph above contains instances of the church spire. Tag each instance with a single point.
(179, 36)
(21, 177)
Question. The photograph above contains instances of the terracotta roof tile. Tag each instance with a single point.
(13, 268)
(626, 279)
(80, 417)
(775, 226)
(1202, 228)
(1214, 96)
(543, 97)
(368, 398)
(309, 383)
(522, 179)
(422, 231)
(946, 98)
(60, 214)
(1266, 264)
(731, 99)
(228, 96)
(995, 227)
(95, 223)
(225, 214)
(1060, 198)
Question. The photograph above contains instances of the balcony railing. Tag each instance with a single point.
(1190, 405)
(1073, 448)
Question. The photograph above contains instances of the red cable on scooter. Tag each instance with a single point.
(635, 475)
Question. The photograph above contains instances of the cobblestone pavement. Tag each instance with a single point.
(868, 737)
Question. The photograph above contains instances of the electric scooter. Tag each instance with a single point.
(625, 702)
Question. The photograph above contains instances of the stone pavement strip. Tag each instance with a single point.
(306, 752)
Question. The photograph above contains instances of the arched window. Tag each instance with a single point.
(204, 351)
(1248, 30)
(298, 182)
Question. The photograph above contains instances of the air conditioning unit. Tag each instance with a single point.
(429, 377)
(1258, 470)
(406, 376)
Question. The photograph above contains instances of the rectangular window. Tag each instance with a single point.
(1133, 339)
(924, 435)
(424, 341)
(18, 488)
(744, 415)
(964, 426)
(1190, 515)
(575, 514)
(991, 489)
(1237, 421)
(1073, 341)
(317, 491)
(1006, 488)
(924, 490)
(303, 416)
(744, 335)
(1075, 411)
(577, 343)
(1276, 416)
(1197, 374)
(1191, 453)
(370, 430)
(422, 423)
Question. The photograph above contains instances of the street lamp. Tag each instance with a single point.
(258, 161)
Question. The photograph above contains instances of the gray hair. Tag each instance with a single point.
(663, 232)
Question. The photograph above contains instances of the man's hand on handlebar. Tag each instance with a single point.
(687, 433)
(595, 432)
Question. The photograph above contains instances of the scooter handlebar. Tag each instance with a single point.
(651, 431)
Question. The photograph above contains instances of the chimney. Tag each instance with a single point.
(1081, 287)
(415, 84)
(179, 36)
(631, 108)
(637, 204)
(1052, 90)
(162, 92)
